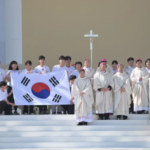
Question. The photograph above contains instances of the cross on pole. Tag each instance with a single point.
(91, 36)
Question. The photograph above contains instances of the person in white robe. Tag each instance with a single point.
(108, 68)
(139, 79)
(122, 91)
(89, 72)
(103, 85)
(82, 96)
(114, 66)
(78, 66)
(128, 70)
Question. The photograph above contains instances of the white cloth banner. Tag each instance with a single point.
(41, 89)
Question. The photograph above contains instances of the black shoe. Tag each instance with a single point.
(54, 113)
(100, 117)
(80, 123)
(125, 117)
(85, 123)
(16, 113)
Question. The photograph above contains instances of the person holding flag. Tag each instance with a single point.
(42, 68)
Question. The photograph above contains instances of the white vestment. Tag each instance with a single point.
(104, 100)
(83, 105)
(109, 69)
(140, 91)
(122, 100)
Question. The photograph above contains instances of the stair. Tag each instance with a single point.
(60, 132)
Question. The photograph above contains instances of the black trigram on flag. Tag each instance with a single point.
(57, 98)
(28, 98)
(53, 81)
(25, 81)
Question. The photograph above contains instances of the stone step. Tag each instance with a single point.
(75, 145)
(74, 133)
(72, 123)
(75, 128)
(80, 149)
(64, 117)
(75, 139)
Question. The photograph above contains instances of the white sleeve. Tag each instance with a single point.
(48, 69)
(54, 69)
(36, 70)
(4, 74)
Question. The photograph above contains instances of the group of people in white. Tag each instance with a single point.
(108, 90)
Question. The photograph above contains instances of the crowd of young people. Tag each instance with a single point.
(107, 90)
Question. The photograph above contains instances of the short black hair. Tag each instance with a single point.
(114, 62)
(41, 57)
(68, 58)
(147, 61)
(62, 57)
(3, 83)
(78, 62)
(28, 62)
(11, 63)
(130, 58)
(99, 63)
(72, 77)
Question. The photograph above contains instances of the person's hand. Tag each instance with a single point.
(40, 72)
(140, 79)
(105, 89)
(46, 71)
(12, 104)
(71, 102)
(6, 101)
(82, 93)
(9, 80)
(123, 89)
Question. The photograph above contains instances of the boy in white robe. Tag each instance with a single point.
(89, 72)
(122, 91)
(103, 85)
(139, 79)
(82, 96)
(108, 68)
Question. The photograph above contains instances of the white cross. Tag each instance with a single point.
(91, 36)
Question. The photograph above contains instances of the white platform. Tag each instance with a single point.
(60, 132)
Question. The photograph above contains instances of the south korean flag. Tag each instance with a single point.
(41, 89)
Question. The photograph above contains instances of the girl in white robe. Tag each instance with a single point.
(82, 96)
(122, 91)
(139, 79)
(103, 85)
